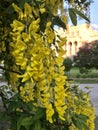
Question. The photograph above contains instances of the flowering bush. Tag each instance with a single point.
(86, 58)
(39, 96)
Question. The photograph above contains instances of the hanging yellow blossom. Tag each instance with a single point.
(17, 26)
(27, 10)
(41, 80)
(18, 10)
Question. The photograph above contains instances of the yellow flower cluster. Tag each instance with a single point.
(42, 77)
(26, 92)
(81, 105)
(87, 110)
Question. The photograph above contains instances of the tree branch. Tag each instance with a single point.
(9, 70)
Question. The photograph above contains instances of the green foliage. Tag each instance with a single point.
(73, 16)
(67, 64)
(81, 5)
(84, 70)
(81, 15)
(79, 121)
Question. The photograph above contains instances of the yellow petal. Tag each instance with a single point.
(17, 26)
(27, 9)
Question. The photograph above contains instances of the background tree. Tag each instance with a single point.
(87, 56)
(67, 63)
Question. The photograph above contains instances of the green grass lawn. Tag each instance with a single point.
(91, 77)
(74, 73)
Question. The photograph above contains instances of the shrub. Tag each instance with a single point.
(67, 63)
(87, 57)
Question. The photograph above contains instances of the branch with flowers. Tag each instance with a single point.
(39, 96)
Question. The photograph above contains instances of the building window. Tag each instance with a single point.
(70, 48)
(75, 45)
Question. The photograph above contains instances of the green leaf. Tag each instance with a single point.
(10, 10)
(83, 117)
(37, 125)
(12, 106)
(77, 124)
(81, 15)
(24, 121)
(57, 21)
(73, 16)
(4, 116)
(39, 114)
(66, 128)
(80, 121)
(22, 2)
(31, 120)
(13, 124)
(85, 127)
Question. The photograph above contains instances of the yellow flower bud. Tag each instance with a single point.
(42, 10)
(48, 24)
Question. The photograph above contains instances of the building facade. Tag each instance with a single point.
(77, 36)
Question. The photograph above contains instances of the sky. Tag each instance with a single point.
(94, 12)
(93, 15)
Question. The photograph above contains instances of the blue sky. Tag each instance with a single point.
(94, 12)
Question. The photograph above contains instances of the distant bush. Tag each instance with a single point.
(68, 64)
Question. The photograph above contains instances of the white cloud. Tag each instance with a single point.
(94, 26)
